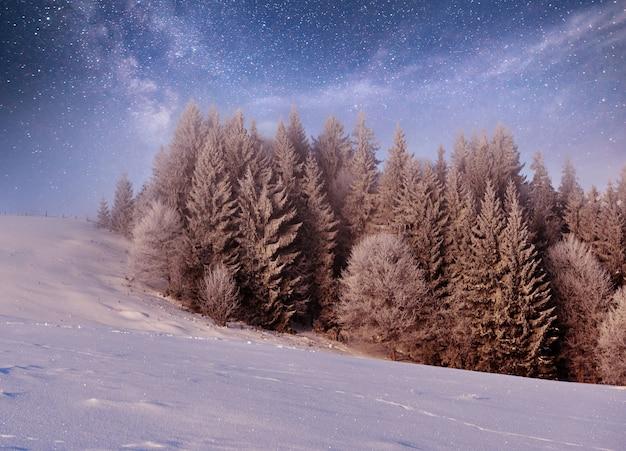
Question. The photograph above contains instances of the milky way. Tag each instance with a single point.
(89, 89)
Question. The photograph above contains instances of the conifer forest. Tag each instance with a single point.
(474, 261)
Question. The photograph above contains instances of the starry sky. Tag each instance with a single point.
(89, 89)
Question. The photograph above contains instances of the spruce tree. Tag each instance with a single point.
(122, 211)
(582, 290)
(104, 215)
(212, 210)
(334, 153)
(361, 200)
(441, 167)
(481, 283)
(525, 317)
(391, 178)
(175, 167)
(609, 240)
(320, 228)
(268, 232)
(569, 186)
(297, 137)
(544, 215)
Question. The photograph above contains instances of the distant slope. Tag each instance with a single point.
(85, 362)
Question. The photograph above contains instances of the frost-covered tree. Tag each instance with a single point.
(612, 342)
(421, 219)
(104, 215)
(241, 151)
(297, 137)
(545, 222)
(382, 291)
(582, 290)
(156, 238)
(361, 200)
(525, 316)
(477, 333)
(219, 295)
(569, 185)
(609, 240)
(391, 178)
(212, 220)
(441, 166)
(122, 211)
(320, 229)
(268, 259)
(174, 168)
(334, 153)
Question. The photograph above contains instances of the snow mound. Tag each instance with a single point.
(88, 362)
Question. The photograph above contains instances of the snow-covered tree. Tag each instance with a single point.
(612, 342)
(212, 209)
(174, 168)
(219, 295)
(361, 200)
(382, 291)
(582, 290)
(320, 229)
(268, 259)
(525, 315)
(391, 178)
(156, 239)
(122, 211)
(104, 215)
(297, 137)
(545, 222)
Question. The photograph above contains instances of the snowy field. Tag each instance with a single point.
(88, 363)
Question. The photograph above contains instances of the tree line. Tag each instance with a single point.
(460, 262)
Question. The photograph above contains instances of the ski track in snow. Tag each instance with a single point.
(88, 363)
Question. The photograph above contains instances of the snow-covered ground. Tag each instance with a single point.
(88, 363)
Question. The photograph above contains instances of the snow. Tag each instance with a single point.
(88, 362)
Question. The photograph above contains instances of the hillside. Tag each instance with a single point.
(88, 362)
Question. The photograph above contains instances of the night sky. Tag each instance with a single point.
(89, 89)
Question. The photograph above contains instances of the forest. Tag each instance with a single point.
(462, 262)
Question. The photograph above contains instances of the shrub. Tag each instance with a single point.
(219, 295)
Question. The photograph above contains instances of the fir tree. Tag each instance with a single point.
(481, 283)
(609, 241)
(582, 290)
(268, 232)
(391, 178)
(297, 137)
(104, 215)
(525, 317)
(544, 216)
(212, 209)
(320, 226)
(175, 168)
(361, 200)
(122, 212)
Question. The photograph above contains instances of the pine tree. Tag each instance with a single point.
(420, 217)
(297, 137)
(569, 187)
(122, 212)
(268, 232)
(288, 171)
(212, 210)
(320, 226)
(525, 317)
(104, 215)
(612, 342)
(361, 200)
(391, 178)
(334, 153)
(441, 167)
(481, 285)
(609, 241)
(174, 168)
(544, 215)
(155, 240)
(582, 290)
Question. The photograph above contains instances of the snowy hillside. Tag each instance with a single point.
(87, 362)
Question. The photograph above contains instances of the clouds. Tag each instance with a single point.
(151, 106)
